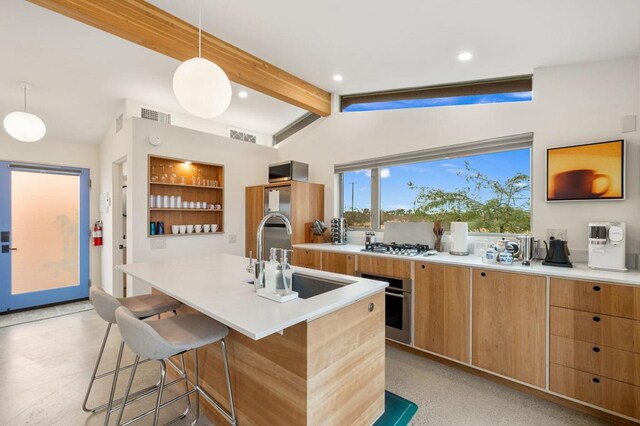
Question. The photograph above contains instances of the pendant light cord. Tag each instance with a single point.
(25, 97)
(200, 29)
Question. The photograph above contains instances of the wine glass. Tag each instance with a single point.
(199, 181)
(154, 175)
(172, 176)
(194, 176)
(163, 175)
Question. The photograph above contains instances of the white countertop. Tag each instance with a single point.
(580, 271)
(214, 285)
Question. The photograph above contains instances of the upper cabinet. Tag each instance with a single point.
(186, 196)
(509, 325)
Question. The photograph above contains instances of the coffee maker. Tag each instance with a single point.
(607, 246)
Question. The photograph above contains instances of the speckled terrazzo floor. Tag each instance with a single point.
(447, 396)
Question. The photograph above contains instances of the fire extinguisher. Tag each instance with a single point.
(97, 233)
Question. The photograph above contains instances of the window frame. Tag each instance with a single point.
(473, 149)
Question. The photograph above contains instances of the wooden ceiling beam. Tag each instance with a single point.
(149, 26)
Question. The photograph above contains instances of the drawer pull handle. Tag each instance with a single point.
(596, 349)
(595, 380)
(371, 306)
(596, 288)
(422, 266)
(349, 257)
(596, 319)
(483, 274)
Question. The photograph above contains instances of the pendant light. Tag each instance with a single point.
(202, 87)
(24, 126)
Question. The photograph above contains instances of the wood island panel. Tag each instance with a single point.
(442, 298)
(326, 371)
(509, 325)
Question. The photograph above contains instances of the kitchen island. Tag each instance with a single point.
(311, 361)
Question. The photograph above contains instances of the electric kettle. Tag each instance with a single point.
(557, 254)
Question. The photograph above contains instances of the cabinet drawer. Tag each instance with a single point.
(386, 267)
(623, 366)
(606, 393)
(619, 333)
(339, 263)
(307, 258)
(610, 299)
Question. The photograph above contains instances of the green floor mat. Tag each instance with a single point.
(397, 411)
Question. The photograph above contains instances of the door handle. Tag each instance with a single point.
(401, 296)
(13, 248)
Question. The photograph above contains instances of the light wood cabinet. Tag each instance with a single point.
(442, 295)
(307, 205)
(610, 299)
(339, 263)
(606, 393)
(619, 333)
(384, 266)
(307, 258)
(509, 325)
(616, 364)
(254, 212)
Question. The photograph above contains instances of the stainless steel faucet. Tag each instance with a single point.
(256, 266)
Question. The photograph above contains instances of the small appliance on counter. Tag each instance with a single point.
(339, 231)
(370, 239)
(529, 249)
(557, 254)
(288, 170)
(459, 237)
(607, 246)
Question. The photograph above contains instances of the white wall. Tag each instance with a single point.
(59, 153)
(572, 104)
(194, 123)
(114, 147)
(245, 164)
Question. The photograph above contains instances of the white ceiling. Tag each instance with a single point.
(377, 44)
(80, 75)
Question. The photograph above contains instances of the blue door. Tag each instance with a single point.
(44, 235)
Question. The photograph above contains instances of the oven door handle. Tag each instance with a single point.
(401, 296)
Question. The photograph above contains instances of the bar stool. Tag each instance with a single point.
(164, 338)
(144, 306)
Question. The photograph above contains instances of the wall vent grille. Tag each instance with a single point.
(153, 115)
(119, 122)
(242, 136)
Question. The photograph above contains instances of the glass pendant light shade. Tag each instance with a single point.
(202, 88)
(24, 126)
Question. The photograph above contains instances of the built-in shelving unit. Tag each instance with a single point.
(193, 182)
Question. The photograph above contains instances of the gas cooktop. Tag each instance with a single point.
(397, 249)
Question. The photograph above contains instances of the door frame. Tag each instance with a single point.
(10, 302)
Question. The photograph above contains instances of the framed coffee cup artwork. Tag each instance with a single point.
(593, 171)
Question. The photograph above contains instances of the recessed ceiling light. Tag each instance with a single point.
(337, 77)
(465, 56)
(243, 94)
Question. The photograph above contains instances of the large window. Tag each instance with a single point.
(490, 191)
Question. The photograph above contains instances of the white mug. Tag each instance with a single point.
(206, 227)
(175, 229)
(183, 229)
(197, 228)
(185, 204)
(214, 227)
(189, 229)
(198, 205)
(192, 205)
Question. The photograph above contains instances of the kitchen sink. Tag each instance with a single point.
(309, 286)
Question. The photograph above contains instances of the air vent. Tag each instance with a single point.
(242, 136)
(153, 115)
(119, 122)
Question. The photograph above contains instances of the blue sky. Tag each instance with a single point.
(440, 102)
(442, 174)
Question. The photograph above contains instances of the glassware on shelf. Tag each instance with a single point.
(182, 180)
(154, 175)
(172, 176)
(194, 176)
(163, 176)
(199, 179)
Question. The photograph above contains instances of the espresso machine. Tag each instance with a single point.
(607, 246)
